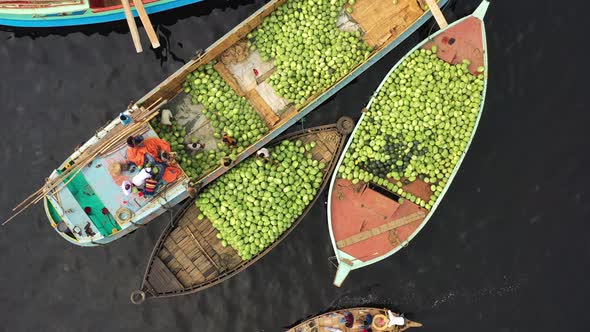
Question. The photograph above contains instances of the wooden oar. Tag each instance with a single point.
(147, 24)
(132, 26)
(438, 15)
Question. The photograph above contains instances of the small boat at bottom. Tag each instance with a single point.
(190, 256)
(356, 319)
(408, 145)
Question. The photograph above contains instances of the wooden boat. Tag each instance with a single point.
(366, 221)
(384, 25)
(60, 13)
(189, 257)
(334, 321)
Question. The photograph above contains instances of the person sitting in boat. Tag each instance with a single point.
(152, 152)
(395, 320)
(264, 154)
(348, 319)
(195, 147)
(366, 322)
(140, 178)
(229, 141)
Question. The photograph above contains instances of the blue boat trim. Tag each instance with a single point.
(63, 21)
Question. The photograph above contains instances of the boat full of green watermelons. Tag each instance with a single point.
(244, 214)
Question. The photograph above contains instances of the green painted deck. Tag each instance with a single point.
(87, 198)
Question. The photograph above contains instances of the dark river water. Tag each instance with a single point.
(506, 251)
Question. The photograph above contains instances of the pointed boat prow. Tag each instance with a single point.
(413, 324)
(481, 10)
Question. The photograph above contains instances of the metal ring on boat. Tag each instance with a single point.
(137, 296)
(345, 125)
(123, 215)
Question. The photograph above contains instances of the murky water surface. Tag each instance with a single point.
(507, 248)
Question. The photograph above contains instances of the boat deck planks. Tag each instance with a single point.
(162, 278)
(358, 237)
(188, 261)
(382, 19)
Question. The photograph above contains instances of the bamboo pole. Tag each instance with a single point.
(57, 184)
(132, 26)
(147, 24)
(438, 15)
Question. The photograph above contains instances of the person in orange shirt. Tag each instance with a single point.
(155, 151)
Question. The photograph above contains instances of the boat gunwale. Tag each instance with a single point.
(357, 263)
(245, 264)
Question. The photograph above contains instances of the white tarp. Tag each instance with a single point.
(243, 72)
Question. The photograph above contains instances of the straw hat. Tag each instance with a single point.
(380, 322)
(115, 169)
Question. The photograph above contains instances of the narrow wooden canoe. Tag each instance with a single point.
(366, 222)
(61, 13)
(333, 321)
(189, 257)
(384, 25)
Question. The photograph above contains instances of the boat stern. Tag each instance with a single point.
(56, 219)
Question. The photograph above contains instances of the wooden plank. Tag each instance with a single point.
(132, 27)
(228, 78)
(147, 24)
(184, 261)
(184, 277)
(438, 15)
(174, 265)
(383, 19)
(201, 247)
(260, 105)
(197, 277)
(266, 75)
(380, 229)
(162, 279)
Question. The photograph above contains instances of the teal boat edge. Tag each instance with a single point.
(85, 17)
(344, 268)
